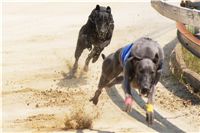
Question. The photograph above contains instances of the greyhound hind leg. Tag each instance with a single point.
(117, 80)
(78, 52)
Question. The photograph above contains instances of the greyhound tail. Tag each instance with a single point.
(103, 56)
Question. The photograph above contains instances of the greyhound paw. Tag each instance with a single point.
(150, 118)
(95, 58)
(149, 114)
(128, 102)
(89, 47)
(70, 75)
(94, 100)
(128, 108)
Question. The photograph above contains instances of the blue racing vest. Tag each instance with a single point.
(126, 52)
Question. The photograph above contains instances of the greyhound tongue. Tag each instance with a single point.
(128, 101)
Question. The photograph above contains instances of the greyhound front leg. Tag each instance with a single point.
(102, 83)
(95, 99)
(87, 61)
(149, 107)
(104, 44)
(97, 53)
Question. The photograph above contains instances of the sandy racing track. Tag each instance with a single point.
(39, 40)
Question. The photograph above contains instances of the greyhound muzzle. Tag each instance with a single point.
(102, 35)
(144, 91)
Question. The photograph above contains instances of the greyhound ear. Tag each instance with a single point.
(93, 13)
(91, 18)
(108, 9)
(136, 58)
(129, 59)
(156, 58)
(97, 7)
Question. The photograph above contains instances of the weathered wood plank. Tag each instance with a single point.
(180, 70)
(188, 44)
(179, 14)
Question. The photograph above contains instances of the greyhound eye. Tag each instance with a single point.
(141, 71)
(97, 18)
(152, 72)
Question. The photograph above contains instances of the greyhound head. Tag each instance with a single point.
(102, 18)
(145, 73)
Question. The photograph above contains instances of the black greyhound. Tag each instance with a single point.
(95, 35)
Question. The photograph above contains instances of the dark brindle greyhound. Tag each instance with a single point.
(97, 32)
(140, 64)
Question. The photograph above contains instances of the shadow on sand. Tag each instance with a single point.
(163, 126)
(170, 82)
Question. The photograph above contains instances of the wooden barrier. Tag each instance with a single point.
(176, 13)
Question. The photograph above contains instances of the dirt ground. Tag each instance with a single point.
(39, 41)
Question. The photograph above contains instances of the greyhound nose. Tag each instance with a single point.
(101, 33)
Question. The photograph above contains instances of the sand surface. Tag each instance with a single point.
(39, 41)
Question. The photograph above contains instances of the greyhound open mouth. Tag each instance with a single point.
(144, 92)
